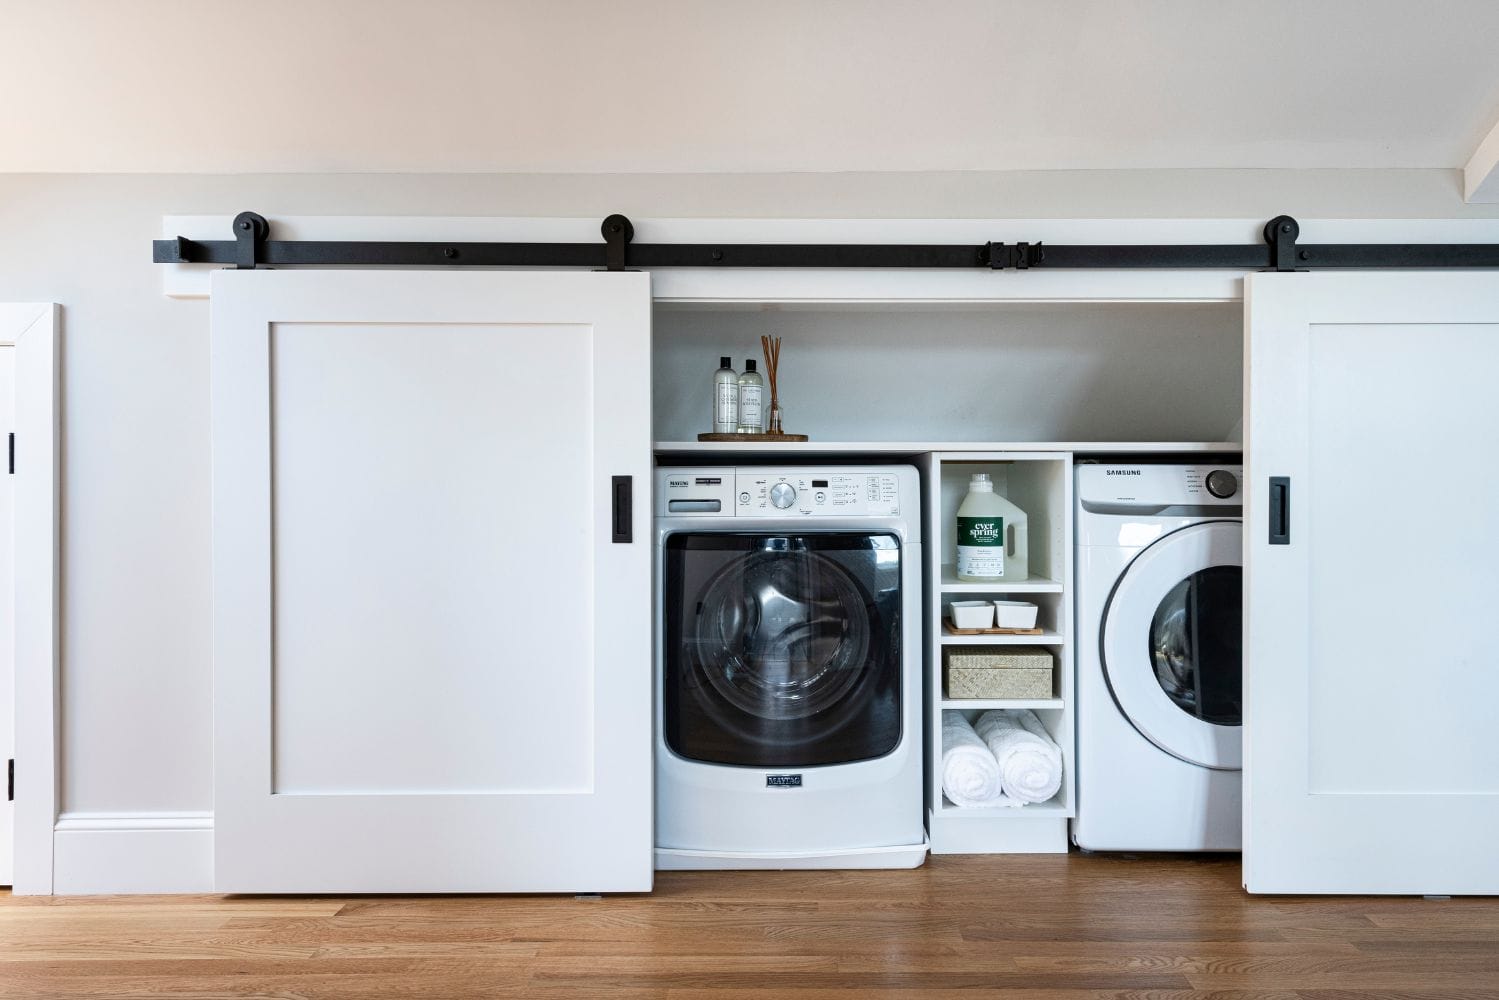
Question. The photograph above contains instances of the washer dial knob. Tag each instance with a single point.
(782, 495)
(1222, 484)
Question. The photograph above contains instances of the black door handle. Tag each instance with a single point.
(1280, 510)
(624, 488)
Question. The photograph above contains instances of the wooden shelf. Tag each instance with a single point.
(950, 584)
(980, 704)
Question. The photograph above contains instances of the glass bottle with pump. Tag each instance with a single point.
(991, 535)
(725, 399)
(751, 400)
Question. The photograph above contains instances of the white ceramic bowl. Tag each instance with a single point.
(1014, 614)
(973, 614)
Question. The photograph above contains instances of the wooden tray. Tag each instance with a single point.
(753, 438)
(952, 629)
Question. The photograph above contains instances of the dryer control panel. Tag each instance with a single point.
(1160, 485)
(772, 492)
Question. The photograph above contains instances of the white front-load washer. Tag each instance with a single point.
(1159, 657)
(788, 667)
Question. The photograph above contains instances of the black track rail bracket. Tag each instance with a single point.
(250, 232)
(618, 232)
(1280, 236)
(252, 247)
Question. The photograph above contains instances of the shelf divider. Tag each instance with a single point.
(983, 704)
(1044, 639)
(950, 584)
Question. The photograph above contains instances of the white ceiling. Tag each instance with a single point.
(766, 85)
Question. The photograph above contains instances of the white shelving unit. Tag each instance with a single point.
(1000, 375)
(1040, 483)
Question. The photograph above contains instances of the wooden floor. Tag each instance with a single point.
(1018, 927)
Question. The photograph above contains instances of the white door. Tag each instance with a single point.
(1372, 575)
(432, 618)
(7, 608)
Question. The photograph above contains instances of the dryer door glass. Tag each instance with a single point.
(1171, 641)
(782, 650)
(1195, 645)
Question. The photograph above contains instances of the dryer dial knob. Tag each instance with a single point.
(782, 495)
(1222, 483)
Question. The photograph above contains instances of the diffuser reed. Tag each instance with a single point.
(772, 348)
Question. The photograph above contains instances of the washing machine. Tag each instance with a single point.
(788, 667)
(1159, 657)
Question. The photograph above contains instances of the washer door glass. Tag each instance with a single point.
(1171, 643)
(782, 650)
(782, 635)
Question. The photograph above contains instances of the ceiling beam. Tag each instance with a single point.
(1481, 175)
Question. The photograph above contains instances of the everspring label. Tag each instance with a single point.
(981, 546)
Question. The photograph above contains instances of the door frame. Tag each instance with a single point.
(32, 329)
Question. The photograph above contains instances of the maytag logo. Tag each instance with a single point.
(676, 482)
(783, 781)
(1121, 472)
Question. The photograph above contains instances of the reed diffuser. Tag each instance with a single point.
(772, 348)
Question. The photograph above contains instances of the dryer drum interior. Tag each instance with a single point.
(1195, 645)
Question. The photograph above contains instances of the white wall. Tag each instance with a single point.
(1021, 372)
(136, 556)
(688, 85)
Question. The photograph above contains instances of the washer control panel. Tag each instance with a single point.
(835, 493)
(779, 491)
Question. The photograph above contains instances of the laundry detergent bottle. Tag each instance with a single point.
(991, 535)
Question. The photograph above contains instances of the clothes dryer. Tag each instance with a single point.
(1159, 657)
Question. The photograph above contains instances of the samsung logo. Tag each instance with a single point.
(1121, 472)
(783, 781)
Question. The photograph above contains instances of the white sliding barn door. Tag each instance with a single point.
(432, 654)
(1371, 583)
(7, 606)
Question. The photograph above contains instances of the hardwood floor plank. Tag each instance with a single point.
(1021, 927)
(990, 993)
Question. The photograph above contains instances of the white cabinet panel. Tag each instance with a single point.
(1371, 676)
(432, 660)
(1400, 417)
(424, 539)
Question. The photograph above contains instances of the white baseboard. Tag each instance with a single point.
(1005, 833)
(148, 852)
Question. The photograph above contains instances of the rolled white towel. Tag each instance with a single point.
(970, 774)
(1030, 763)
